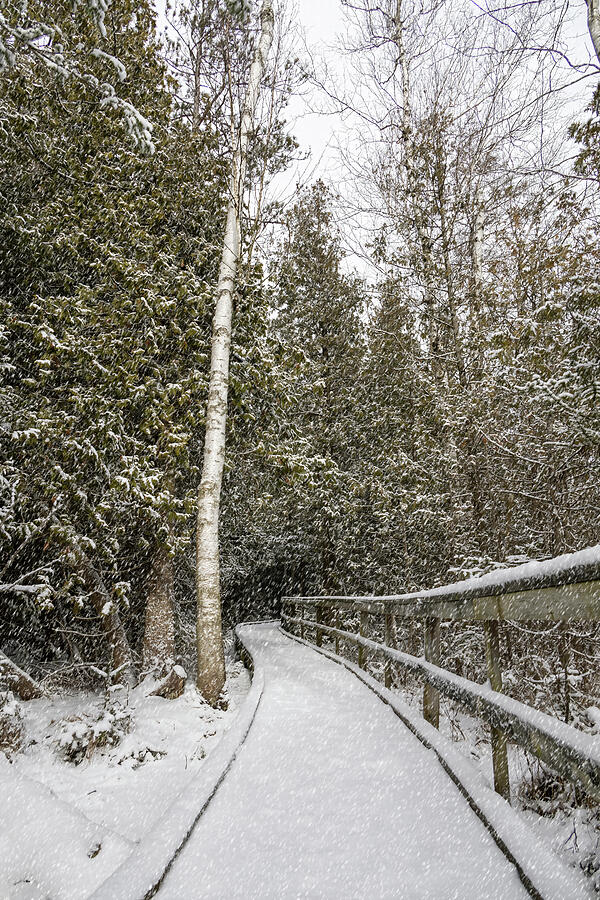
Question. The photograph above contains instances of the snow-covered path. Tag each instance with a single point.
(332, 797)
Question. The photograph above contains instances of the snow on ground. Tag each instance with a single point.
(331, 796)
(64, 828)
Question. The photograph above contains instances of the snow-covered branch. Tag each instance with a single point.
(26, 37)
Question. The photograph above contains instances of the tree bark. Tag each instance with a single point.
(18, 681)
(159, 628)
(423, 250)
(211, 659)
(121, 658)
(172, 685)
(593, 9)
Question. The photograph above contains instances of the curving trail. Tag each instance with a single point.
(331, 796)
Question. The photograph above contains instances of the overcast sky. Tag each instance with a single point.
(321, 25)
(322, 22)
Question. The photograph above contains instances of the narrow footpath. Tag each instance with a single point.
(332, 797)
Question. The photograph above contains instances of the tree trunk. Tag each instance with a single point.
(159, 629)
(211, 660)
(423, 250)
(172, 685)
(593, 8)
(121, 659)
(18, 681)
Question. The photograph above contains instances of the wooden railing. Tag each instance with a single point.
(566, 589)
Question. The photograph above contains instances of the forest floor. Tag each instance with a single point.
(70, 817)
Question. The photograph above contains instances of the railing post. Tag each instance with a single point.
(362, 653)
(388, 642)
(499, 748)
(431, 697)
(318, 632)
(337, 625)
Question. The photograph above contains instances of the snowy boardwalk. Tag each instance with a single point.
(332, 797)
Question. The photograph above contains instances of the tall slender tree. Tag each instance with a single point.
(211, 659)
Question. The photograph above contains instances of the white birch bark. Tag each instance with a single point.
(211, 661)
(593, 9)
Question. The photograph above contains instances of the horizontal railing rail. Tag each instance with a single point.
(565, 589)
(572, 753)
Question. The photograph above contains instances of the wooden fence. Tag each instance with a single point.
(556, 591)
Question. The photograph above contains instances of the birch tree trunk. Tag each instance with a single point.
(593, 9)
(211, 659)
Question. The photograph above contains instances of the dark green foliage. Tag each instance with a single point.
(108, 259)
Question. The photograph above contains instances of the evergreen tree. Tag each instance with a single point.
(105, 269)
(318, 310)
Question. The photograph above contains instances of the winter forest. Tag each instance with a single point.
(236, 367)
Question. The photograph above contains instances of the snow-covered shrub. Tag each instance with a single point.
(11, 722)
(137, 755)
(81, 736)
